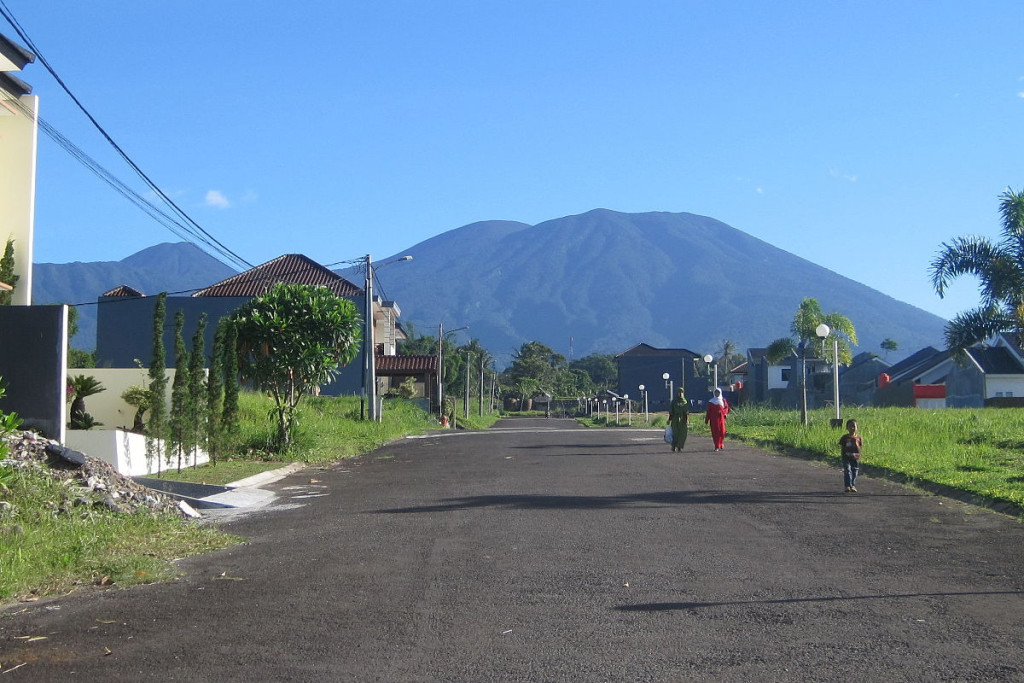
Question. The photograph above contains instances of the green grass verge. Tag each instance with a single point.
(977, 452)
(52, 546)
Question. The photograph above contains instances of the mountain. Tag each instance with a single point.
(603, 279)
(609, 280)
(163, 268)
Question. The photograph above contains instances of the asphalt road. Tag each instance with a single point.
(541, 551)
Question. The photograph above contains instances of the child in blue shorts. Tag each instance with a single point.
(850, 445)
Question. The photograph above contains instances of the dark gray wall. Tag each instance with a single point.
(124, 333)
(33, 357)
(647, 370)
(965, 387)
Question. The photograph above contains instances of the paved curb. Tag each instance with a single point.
(267, 477)
(245, 495)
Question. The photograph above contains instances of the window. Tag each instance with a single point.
(785, 374)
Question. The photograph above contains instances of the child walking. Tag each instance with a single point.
(850, 444)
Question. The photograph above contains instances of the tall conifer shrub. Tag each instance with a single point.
(156, 428)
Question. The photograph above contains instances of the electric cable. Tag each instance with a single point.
(196, 230)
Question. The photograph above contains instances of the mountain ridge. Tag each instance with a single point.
(603, 279)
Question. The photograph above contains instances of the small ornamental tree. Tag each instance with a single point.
(141, 399)
(229, 359)
(80, 388)
(156, 428)
(804, 335)
(215, 396)
(180, 399)
(292, 339)
(197, 391)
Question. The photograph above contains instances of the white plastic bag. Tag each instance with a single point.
(668, 434)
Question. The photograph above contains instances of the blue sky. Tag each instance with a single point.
(858, 135)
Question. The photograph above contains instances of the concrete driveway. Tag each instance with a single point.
(542, 551)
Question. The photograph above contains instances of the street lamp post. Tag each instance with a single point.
(369, 346)
(647, 415)
(629, 411)
(823, 332)
(670, 385)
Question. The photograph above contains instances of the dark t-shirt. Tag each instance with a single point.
(851, 445)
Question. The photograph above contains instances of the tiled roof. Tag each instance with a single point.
(406, 365)
(290, 268)
(995, 360)
(123, 290)
(928, 353)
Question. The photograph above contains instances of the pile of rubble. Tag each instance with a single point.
(90, 480)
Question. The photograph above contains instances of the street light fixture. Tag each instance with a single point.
(823, 332)
(670, 385)
(369, 347)
(709, 359)
(647, 415)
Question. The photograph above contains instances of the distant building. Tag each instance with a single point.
(124, 337)
(646, 365)
(858, 381)
(919, 380)
(993, 375)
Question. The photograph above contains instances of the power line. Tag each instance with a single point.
(191, 226)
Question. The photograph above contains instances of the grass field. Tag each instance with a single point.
(979, 452)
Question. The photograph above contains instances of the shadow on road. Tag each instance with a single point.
(669, 606)
(654, 499)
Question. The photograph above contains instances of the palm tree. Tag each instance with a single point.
(999, 267)
(804, 329)
(81, 387)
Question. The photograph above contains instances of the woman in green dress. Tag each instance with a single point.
(679, 419)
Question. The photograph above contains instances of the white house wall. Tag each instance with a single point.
(107, 406)
(1004, 385)
(775, 380)
(18, 140)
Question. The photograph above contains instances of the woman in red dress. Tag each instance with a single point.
(718, 408)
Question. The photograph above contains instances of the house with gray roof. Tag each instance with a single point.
(124, 336)
(992, 375)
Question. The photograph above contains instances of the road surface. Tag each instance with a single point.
(542, 551)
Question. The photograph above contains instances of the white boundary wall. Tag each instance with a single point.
(107, 406)
(124, 451)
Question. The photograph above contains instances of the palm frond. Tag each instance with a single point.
(1011, 208)
(977, 325)
(780, 349)
(967, 255)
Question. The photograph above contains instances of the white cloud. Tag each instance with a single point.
(1021, 95)
(837, 173)
(217, 200)
(760, 190)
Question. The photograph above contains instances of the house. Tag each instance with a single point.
(646, 365)
(124, 337)
(992, 375)
(859, 380)
(919, 380)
